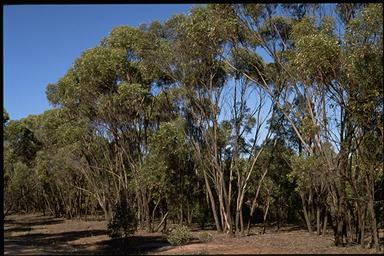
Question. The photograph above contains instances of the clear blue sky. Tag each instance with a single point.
(42, 41)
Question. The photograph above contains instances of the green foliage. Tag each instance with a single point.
(122, 37)
(179, 235)
(306, 170)
(317, 50)
(5, 116)
(247, 61)
(22, 140)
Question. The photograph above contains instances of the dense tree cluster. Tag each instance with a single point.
(227, 116)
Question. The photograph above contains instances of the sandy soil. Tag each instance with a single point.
(35, 234)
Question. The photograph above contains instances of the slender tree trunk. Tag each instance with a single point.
(106, 214)
(374, 233)
(250, 218)
(307, 220)
(241, 221)
(147, 214)
(339, 230)
(349, 228)
(189, 215)
(265, 214)
(212, 201)
(181, 214)
(278, 212)
(325, 224)
(225, 218)
(362, 230)
(318, 219)
(237, 216)
(357, 230)
(139, 209)
(153, 214)
(163, 220)
(254, 202)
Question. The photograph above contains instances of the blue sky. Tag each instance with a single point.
(40, 43)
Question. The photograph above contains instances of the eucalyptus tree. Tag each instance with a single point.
(189, 54)
(106, 89)
(56, 164)
(201, 43)
(20, 182)
(169, 171)
(363, 80)
(312, 63)
(334, 80)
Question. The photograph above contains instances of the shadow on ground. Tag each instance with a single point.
(133, 245)
(40, 243)
(43, 220)
(59, 243)
(48, 243)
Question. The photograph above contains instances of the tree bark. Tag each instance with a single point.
(318, 219)
(241, 221)
(265, 214)
(161, 222)
(362, 230)
(325, 224)
(212, 201)
(371, 191)
(306, 217)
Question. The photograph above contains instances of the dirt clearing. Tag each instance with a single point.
(36, 234)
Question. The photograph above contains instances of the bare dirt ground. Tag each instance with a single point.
(35, 234)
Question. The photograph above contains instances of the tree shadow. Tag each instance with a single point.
(36, 222)
(64, 237)
(291, 228)
(50, 243)
(58, 243)
(17, 229)
(133, 245)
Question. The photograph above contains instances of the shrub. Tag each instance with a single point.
(123, 222)
(179, 235)
(204, 237)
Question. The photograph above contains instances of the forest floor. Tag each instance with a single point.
(35, 234)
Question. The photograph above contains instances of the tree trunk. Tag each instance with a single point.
(374, 233)
(212, 201)
(325, 224)
(307, 220)
(249, 220)
(147, 217)
(238, 211)
(189, 215)
(161, 222)
(349, 228)
(107, 217)
(362, 230)
(153, 214)
(318, 219)
(278, 212)
(241, 221)
(181, 213)
(265, 214)
(225, 219)
(237, 220)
